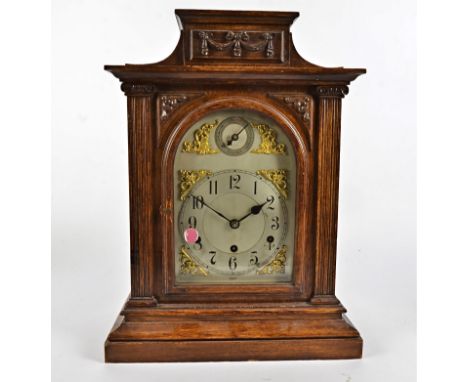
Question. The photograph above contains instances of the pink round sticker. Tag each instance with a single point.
(191, 235)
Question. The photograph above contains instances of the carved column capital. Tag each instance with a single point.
(143, 90)
(332, 91)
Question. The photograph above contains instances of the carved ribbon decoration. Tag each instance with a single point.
(236, 40)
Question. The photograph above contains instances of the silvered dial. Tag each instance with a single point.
(234, 201)
(241, 221)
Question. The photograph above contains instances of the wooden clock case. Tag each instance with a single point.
(231, 59)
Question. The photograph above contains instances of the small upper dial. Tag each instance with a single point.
(234, 136)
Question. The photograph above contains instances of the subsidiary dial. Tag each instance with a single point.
(234, 136)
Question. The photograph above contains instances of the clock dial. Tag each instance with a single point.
(234, 189)
(234, 136)
(239, 220)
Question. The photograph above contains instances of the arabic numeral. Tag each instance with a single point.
(197, 202)
(233, 181)
(232, 263)
(213, 187)
(192, 221)
(275, 225)
(213, 261)
(198, 244)
(254, 258)
(270, 201)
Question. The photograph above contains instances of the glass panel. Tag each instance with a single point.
(234, 199)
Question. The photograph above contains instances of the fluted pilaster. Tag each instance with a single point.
(328, 164)
(140, 151)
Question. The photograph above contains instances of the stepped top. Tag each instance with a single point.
(215, 45)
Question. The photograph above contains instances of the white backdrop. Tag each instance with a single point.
(376, 244)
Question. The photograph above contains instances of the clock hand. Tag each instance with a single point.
(235, 137)
(211, 208)
(255, 210)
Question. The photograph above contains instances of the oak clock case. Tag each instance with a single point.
(233, 174)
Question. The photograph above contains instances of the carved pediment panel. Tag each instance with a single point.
(228, 45)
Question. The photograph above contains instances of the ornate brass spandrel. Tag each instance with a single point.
(188, 265)
(277, 265)
(279, 178)
(188, 178)
(268, 143)
(201, 140)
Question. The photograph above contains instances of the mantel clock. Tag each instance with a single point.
(233, 158)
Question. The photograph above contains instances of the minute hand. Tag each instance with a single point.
(235, 137)
(211, 208)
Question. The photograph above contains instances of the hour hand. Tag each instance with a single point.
(255, 210)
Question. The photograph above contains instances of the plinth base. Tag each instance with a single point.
(180, 334)
(243, 350)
